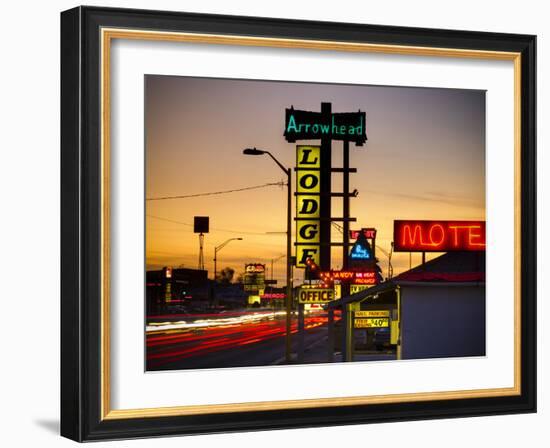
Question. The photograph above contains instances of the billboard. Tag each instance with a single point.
(201, 224)
(254, 277)
(368, 233)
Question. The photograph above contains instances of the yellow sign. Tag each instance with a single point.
(308, 206)
(308, 156)
(307, 232)
(372, 322)
(315, 295)
(382, 313)
(305, 252)
(307, 181)
(357, 288)
(254, 299)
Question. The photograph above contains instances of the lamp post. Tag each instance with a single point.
(273, 260)
(217, 249)
(287, 171)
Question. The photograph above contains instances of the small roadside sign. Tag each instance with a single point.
(373, 313)
(371, 322)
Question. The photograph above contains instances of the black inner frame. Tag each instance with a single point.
(81, 224)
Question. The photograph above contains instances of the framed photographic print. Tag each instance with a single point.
(274, 223)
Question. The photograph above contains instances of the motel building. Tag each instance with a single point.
(434, 310)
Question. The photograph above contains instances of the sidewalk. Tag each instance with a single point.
(317, 353)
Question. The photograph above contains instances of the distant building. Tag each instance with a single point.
(169, 289)
(273, 297)
(230, 295)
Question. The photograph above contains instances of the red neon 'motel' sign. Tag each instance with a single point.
(438, 236)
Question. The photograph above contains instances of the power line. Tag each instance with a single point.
(218, 230)
(212, 193)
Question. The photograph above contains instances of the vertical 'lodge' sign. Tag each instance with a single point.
(308, 206)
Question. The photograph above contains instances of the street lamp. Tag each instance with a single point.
(217, 249)
(287, 171)
(272, 261)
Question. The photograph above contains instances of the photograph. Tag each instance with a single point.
(307, 223)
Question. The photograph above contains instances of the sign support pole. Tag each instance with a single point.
(325, 187)
(350, 338)
(288, 301)
(346, 210)
(345, 286)
(344, 325)
(201, 252)
(330, 353)
(301, 332)
(309, 125)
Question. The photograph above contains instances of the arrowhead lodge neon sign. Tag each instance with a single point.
(308, 125)
(313, 175)
(438, 236)
(332, 129)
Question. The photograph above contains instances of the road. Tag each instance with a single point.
(233, 339)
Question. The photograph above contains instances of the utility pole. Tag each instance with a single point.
(216, 250)
(345, 291)
(288, 301)
(272, 261)
(201, 251)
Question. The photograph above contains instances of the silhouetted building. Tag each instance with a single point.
(230, 295)
(176, 289)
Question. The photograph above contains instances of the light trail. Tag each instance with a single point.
(220, 321)
(191, 341)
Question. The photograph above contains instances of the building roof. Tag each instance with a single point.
(449, 267)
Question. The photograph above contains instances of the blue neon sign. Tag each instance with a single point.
(360, 253)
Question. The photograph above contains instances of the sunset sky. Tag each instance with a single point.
(424, 159)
